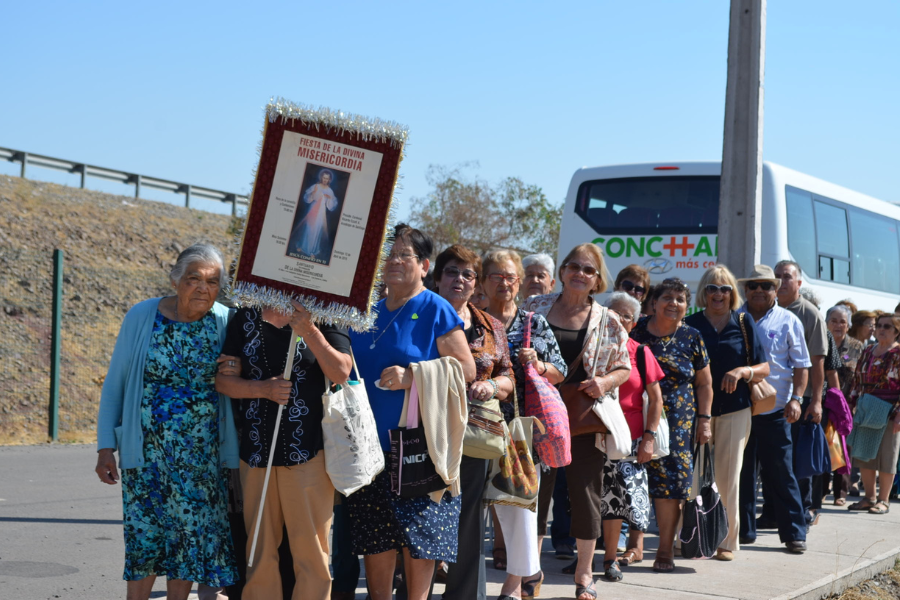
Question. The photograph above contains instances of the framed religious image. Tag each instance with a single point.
(317, 223)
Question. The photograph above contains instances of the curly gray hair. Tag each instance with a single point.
(848, 314)
(202, 253)
(541, 259)
(619, 298)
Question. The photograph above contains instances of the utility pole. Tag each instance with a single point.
(740, 190)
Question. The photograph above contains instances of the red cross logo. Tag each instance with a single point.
(684, 246)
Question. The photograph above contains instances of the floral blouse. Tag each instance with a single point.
(877, 375)
(544, 343)
(850, 350)
(613, 354)
(489, 347)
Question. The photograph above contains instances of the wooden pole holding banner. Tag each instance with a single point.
(288, 366)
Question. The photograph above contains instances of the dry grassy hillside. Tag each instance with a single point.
(118, 251)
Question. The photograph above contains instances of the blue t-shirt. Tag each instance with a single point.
(726, 352)
(406, 335)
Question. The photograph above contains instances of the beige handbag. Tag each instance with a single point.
(762, 394)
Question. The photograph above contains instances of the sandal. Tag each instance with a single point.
(840, 501)
(532, 588)
(585, 589)
(631, 556)
(663, 565)
(499, 555)
(882, 507)
(612, 572)
(864, 504)
(570, 569)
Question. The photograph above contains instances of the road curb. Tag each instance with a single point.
(835, 584)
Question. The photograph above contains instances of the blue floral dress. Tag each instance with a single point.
(174, 506)
(680, 356)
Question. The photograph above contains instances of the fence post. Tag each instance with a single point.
(55, 344)
(24, 165)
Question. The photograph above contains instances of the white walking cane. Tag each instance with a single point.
(288, 366)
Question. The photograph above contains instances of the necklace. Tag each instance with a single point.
(383, 331)
(671, 336)
(718, 326)
(262, 349)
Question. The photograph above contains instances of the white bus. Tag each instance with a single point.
(664, 216)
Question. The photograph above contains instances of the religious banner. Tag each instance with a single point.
(320, 212)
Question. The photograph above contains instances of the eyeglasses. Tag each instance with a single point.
(626, 317)
(767, 286)
(884, 326)
(404, 257)
(500, 278)
(676, 284)
(588, 270)
(627, 286)
(453, 273)
(712, 288)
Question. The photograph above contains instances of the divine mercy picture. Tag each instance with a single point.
(318, 214)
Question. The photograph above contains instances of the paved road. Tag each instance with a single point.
(61, 537)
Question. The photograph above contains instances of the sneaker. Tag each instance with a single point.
(565, 552)
(623, 542)
(797, 547)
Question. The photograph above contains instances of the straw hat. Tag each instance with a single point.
(761, 273)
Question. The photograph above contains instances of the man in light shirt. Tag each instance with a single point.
(770, 435)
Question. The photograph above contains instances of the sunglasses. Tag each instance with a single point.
(588, 270)
(627, 286)
(767, 286)
(712, 288)
(676, 284)
(453, 273)
(884, 326)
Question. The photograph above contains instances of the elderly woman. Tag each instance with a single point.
(862, 325)
(501, 274)
(538, 275)
(300, 496)
(413, 325)
(575, 319)
(456, 272)
(174, 433)
(634, 280)
(625, 492)
(838, 319)
(733, 364)
(878, 374)
(687, 395)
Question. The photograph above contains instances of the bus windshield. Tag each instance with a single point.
(681, 204)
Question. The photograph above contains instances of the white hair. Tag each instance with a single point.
(542, 260)
(841, 309)
(203, 253)
(810, 295)
(623, 298)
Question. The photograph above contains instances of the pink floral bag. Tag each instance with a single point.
(542, 401)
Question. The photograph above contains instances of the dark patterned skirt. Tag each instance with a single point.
(381, 520)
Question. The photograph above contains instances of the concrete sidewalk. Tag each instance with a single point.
(61, 537)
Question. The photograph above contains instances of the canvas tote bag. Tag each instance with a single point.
(353, 455)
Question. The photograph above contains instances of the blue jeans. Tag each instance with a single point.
(770, 449)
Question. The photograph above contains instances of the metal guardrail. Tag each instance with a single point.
(48, 162)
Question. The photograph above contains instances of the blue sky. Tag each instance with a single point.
(176, 89)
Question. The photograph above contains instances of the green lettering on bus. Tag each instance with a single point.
(650, 250)
(609, 246)
(703, 247)
(632, 244)
(598, 241)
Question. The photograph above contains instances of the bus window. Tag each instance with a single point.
(876, 256)
(801, 233)
(833, 242)
(664, 204)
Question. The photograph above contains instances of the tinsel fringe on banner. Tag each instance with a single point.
(340, 315)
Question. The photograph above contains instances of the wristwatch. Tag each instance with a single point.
(799, 399)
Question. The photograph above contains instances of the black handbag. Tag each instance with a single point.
(412, 470)
(705, 524)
